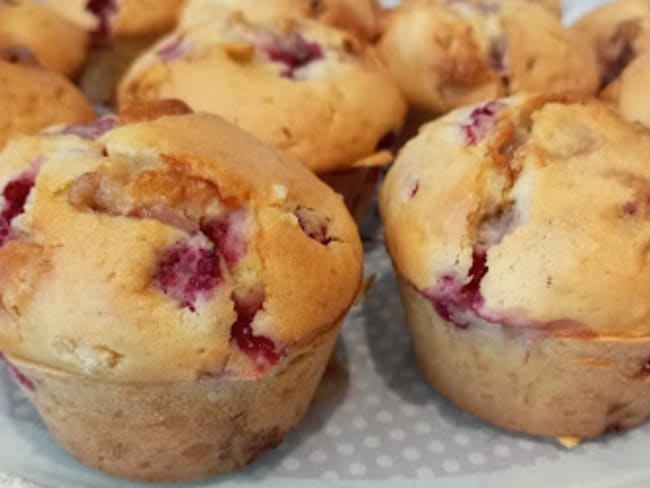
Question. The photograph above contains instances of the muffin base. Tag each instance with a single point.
(357, 185)
(524, 381)
(176, 431)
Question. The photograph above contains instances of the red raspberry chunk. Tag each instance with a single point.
(15, 195)
(261, 350)
(313, 225)
(481, 122)
(188, 271)
(293, 51)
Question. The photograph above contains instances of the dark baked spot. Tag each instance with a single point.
(314, 225)
(643, 372)
(387, 142)
(613, 428)
(153, 110)
(639, 205)
(617, 52)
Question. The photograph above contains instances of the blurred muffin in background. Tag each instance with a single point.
(446, 54)
(33, 98)
(57, 43)
(120, 31)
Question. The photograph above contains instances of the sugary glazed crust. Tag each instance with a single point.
(527, 213)
(57, 43)
(299, 86)
(167, 250)
(33, 98)
(448, 54)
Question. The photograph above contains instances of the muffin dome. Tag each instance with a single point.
(295, 84)
(33, 99)
(519, 231)
(57, 44)
(448, 54)
(167, 250)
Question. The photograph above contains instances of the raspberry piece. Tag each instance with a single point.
(293, 51)
(261, 350)
(481, 122)
(187, 271)
(15, 195)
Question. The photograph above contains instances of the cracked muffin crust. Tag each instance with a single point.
(448, 53)
(519, 232)
(33, 98)
(44, 32)
(360, 17)
(297, 85)
(180, 252)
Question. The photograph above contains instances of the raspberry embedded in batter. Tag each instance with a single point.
(481, 122)
(15, 195)
(261, 350)
(188, 271)
(293, 51)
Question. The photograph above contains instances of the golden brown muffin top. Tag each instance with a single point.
(167, 249)
(527, 213)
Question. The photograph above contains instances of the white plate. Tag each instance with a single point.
(381, 426)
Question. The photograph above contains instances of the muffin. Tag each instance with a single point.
(297, 85)
(171, 290)
(359, 17)
(57, 44)
(121, 30)
(618, 32)
(33, 98)
(445, 55)
(521, 251)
